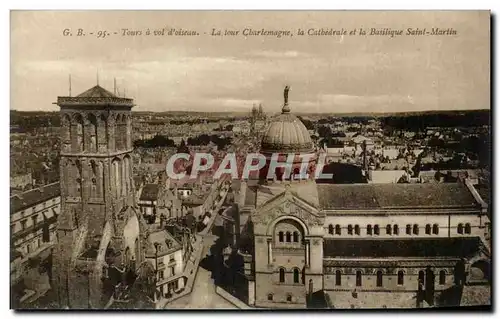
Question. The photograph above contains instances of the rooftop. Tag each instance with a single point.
(166, 243)
(387, 196)
(150, 192)
(382, 248)
(35, 196)
(96, 91)
(95, 96)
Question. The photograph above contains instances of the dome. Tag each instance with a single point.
(286, 134)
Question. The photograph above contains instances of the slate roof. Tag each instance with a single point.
(35, 196)
(380, 248)
(166, 241)
(96, 91)
(485, 193)
(150, 192)
(387, 196)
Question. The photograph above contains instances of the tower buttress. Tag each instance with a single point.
(97, 191)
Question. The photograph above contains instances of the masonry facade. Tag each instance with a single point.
(357, 245)
(99, 226)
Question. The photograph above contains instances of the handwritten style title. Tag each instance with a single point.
(261, 32)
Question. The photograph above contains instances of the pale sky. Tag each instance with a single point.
(326, 73)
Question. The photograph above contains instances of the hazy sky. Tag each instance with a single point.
(205, 73)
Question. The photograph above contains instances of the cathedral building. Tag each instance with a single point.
(99, 227)
(356, 245)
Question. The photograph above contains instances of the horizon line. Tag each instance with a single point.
(308, 113)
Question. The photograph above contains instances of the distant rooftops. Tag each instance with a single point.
(398, 196)
(35, 196)
(95, 96)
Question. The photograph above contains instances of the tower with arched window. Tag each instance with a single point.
(97, 193)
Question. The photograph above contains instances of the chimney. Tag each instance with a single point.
(365, 163)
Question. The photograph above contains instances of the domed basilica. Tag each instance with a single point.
(352, 245)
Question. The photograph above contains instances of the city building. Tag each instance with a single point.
(357, 245)
(166, 255)
(33, 217)
(99, 226)
(21, 181)
(157, 200)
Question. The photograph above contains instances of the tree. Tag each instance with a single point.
(307, 123)
(324, 131)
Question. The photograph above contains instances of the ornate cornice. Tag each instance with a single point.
(94, 101)
(285, 148)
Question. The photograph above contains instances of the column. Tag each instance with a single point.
(269, 252)
(307, 253)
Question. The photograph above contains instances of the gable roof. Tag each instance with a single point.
(96, 91)
(387, 196)
(166, 243)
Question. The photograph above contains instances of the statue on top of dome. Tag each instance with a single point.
(285, 93)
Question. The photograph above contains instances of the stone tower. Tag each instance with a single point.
(98, 228)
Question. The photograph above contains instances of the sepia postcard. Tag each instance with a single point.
(250, 160)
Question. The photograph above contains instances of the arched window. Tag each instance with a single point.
(460, 228)
(77, 128)
(415, 229)
(368, 229)
(359, 280)
(376, 230)
(408, 229)
(388, 229)
(92, 125)
(280, 236)
(338, 278)
(337, 230)
(442, 277)
(270, 297)
(401, 278)
(102, 131)
(288, 297)
(288, 237)
(128, 180)
(330, 229)
(295, 237)
(79, 185)
(467, 228)
(66, 128)
(118, 132)
(435, 229)
(421, 277)
(396, 230)
(296, 275)
(357, 230)
(379, 278)
(282, 275)
(349, 229)
(93, 180)
(428, 229)
(117, 172)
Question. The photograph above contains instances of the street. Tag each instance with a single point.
(203, 294)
